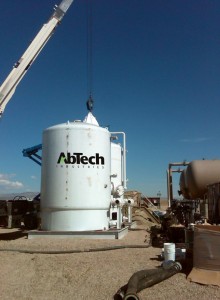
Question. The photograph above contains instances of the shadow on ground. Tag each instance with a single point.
(14, 235)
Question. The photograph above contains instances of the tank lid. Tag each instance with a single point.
(90, 119)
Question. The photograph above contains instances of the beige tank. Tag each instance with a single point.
(195, 178)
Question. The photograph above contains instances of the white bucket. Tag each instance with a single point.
(169, 251)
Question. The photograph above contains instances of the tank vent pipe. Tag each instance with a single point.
(124, 176)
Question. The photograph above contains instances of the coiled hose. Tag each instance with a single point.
(144, 279)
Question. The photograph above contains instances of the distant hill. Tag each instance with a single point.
(11, 196)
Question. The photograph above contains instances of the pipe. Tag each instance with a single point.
(115, 202)
(170, 183)
(170, 186)
(129, 214)
(119, 218)
(74, 251)
(183, 163)
(144, 279)
(124, 159)
(170, 179)
(129, 202)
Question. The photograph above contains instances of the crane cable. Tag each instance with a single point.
(89, 56)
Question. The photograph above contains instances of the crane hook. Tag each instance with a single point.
(90, 103)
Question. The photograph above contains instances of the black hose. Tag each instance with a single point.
(75, 251)
(144, 279)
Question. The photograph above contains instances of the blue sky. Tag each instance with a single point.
(156, 75)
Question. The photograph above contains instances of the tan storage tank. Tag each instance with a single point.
(198, 175)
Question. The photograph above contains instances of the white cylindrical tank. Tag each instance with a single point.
(75, 187)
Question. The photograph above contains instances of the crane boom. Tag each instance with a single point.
(20, 68)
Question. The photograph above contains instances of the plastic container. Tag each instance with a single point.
(180, 254)
(169, 251)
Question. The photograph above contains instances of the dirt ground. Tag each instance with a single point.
(85, 275)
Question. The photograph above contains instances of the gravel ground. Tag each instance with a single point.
(86, 275)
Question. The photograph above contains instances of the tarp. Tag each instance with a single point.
(206, 255)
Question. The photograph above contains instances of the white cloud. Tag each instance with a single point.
(6, 182)
(33, 177)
